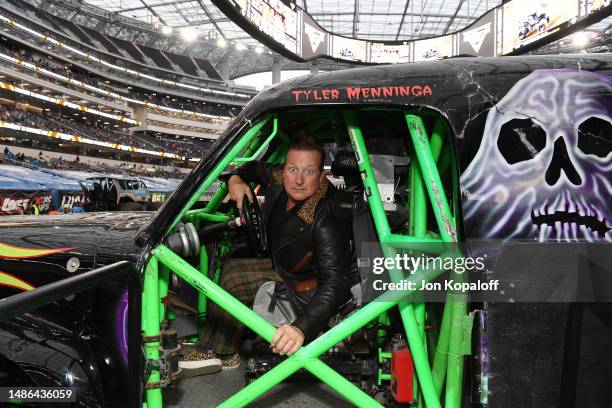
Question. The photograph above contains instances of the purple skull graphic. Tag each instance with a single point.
(543, 168)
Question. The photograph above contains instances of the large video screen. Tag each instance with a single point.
(289, 27)
(503, 30)
(273, 18)
(525, 21)
(242, 4)
(314, 38)
(595, 5)
(389, 54)
(433, 48)
(479, 38)
(348, 48)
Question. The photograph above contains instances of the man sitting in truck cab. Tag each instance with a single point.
(310, 252)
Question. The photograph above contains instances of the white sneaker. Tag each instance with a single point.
(196, 363)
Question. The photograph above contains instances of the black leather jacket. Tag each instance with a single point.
(314, 243)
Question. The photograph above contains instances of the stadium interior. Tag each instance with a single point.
(141, 90)
(111, 87)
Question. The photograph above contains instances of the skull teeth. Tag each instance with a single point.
(570, 218)
(543, 207)
(569, 206)
(572, 206)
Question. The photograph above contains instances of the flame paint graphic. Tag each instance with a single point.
(6, 279)
(9, 251)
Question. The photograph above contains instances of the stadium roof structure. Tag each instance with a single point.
(385, 20)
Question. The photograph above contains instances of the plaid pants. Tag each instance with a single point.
(241, 278)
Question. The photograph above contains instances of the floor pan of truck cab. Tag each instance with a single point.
(211, 390)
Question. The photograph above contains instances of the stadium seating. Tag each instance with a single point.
(101, 38)
(130, 49)
(89, 82)
(164, 77)
(98, 131)
(88, 67)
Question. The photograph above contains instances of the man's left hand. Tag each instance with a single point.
(287, 340)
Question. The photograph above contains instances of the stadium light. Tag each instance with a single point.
(166, 30)
(188, 34)
(240, 46)
(258, 50)
(221, 42)
(581, 39)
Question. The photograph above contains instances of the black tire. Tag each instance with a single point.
(130, 206)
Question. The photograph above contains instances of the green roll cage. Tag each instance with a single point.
(443, 369)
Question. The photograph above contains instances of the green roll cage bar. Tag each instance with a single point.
(453, 341)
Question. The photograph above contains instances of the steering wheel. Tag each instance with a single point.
(255, 225)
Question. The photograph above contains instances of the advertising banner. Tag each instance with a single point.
(21, 202)
(72, 198)
(156, 199)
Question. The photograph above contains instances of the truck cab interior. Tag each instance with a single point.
(396, 175)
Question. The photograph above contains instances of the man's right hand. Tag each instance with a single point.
(238, 189)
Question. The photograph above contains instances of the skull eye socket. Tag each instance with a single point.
(595, 137)
(520, 140)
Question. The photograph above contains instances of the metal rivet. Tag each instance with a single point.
(73, 264)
